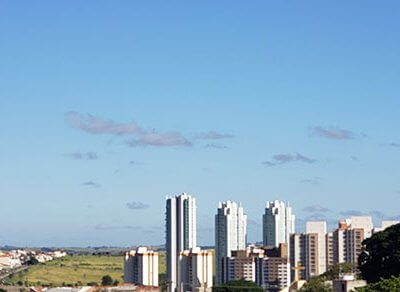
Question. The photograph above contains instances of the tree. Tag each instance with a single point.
(334, 271)
(380, 257)
(106, 280)
(385, 285)
(238, 285)
(316, 284)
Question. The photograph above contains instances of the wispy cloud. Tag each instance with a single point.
(215, 146)
(211, 135)
(91, 184)
(159, 140)
(117, 227)
(392, 144)
(84, 156)
(333, 133)
(137, 206)
(253, 223)
(315, 209)
(280, 159)
(377, 214)
(97, 125)
(205, 229)
(301, 222)
(351, 213)
(313, 181)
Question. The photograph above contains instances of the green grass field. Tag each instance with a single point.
(76, 270)
(72, 270)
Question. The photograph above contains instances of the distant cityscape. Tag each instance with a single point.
(283, 262)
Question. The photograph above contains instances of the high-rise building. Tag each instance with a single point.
(329, 250)
(196, 270)
(278, 223)
(308, 251)
(273, 269)
(230, 233)
(319, 228)
(267, 267)
(241, 264)
(385, 224)
(348, 237)
(362, 222)
(180, 232)
(141, 267)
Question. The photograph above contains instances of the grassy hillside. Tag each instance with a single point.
(72, 270)
(76, 270)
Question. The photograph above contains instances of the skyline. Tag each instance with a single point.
(106, 109)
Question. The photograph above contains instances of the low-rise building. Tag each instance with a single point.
(141, 267)
(347, 283)
(195, 270)
(273, 269)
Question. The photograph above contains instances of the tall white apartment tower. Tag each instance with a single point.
(278, 223)
(180, 232)
(230, 233)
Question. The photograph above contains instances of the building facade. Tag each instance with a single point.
(196, 270)
(230, 233)
(273, 269)
(241, 264)
(141, 267)
(278, 223)
(318, 228)
(180, 232)
(308, 251)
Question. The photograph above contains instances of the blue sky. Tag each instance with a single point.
(106, 107)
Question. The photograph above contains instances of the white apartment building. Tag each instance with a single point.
(196, 270)
(278, 223)
(230, 233)
(141, 267)
(385, 224)
(180, 232)
(362, 222)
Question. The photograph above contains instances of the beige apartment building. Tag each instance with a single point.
(195, 270)
(141, 267)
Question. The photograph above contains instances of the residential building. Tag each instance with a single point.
(273, 269)
(329, 250)
(348, 237)
(180, 232)
(347, 242)
(318, 228)
(347, 283)
(385, 224)
(278, 223)
(141, 267)
(196, 270)
(241, 264)
(307, 252)
(230, 233)
(297, 256)
(362, 222)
